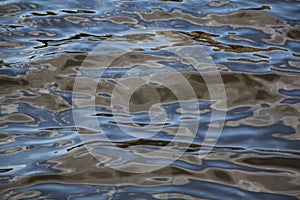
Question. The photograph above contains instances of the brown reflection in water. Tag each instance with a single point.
(242, 89)
(247, 60)
(9, 10)
(207, 38)
(79, 167)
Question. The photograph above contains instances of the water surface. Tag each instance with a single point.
(255, 46)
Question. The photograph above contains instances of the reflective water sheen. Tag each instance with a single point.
(255, 45)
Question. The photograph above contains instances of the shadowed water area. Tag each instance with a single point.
(46, 45)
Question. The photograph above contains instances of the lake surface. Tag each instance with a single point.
(63, 64)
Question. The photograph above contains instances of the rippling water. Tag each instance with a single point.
(255, 46)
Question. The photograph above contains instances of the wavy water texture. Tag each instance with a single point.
(255, 46)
